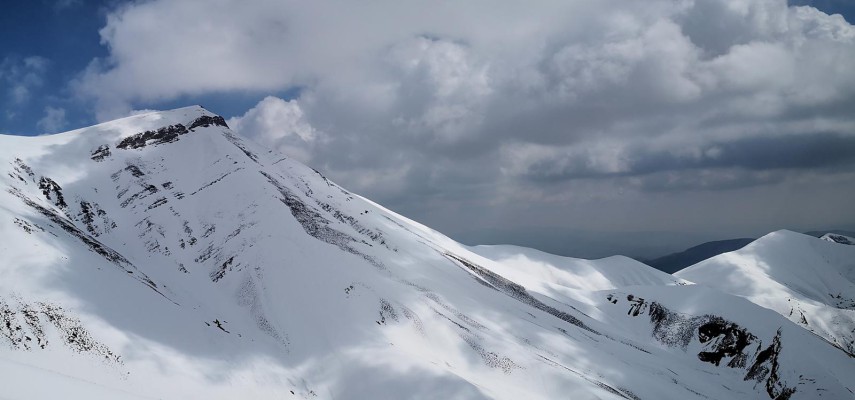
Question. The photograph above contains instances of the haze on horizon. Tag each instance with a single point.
(621, 121)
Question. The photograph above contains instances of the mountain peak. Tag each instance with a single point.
(163, 256)
(809, 280)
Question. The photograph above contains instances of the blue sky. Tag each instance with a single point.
(727, 117)
(64, 36)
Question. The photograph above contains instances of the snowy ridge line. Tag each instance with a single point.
(315, 224)
(809, 281)
(516, 291)
(275, 305)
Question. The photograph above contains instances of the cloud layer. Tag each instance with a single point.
(580, 110)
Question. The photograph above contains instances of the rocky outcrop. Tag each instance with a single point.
(207, 120)
(166, 134)
(723, 343)
(52, 191)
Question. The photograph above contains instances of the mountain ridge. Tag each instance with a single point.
(674, 262)
(812, 278)
(189, 262)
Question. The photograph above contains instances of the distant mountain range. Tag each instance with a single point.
(677, 261)
(674, 262)
(820, 234)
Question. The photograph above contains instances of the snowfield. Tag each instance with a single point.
(808, 280)
(164, 256)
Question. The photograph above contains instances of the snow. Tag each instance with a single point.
(835, 238)
(808, 280)
(192, 263)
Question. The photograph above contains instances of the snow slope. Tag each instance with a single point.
(831, 237)
(811, 281)
(163, 256)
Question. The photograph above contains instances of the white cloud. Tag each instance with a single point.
(434, 65)
(140, 111)
(53, 120)
(440, 96)
(279, 124)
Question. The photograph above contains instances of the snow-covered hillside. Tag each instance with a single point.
(163, 256)
(831, 237)
(808, 280)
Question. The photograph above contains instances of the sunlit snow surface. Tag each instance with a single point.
(810, 281)
(163, 256)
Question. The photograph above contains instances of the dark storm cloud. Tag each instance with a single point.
(704, 180)
(820, 150)
(760, 153)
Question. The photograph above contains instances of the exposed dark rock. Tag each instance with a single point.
(166, 134)
(839, 239)
(157, 203)
(672, 328)
(74, 334)
(207, 120)
(221, 177)
(23, 168)
(145, 192)
(134, 170)
(314, 223)
(102, 152)
(239, 144)
(374, 236)
(209, 230)
(638, 306)
(52, 191)
(723, 339)
(766, 363)
(219, 324)
(220, 272)
(22, 326)
(28, 226)
(731, 341)
(191, 240)
(89, 215)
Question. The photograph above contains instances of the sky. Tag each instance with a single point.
(579, 127)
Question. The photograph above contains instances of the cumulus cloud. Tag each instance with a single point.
(279, 124)
(440, 105)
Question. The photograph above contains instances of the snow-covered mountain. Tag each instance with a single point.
(163, 256)
(831, 237)
(811, 281)
(674, 262)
